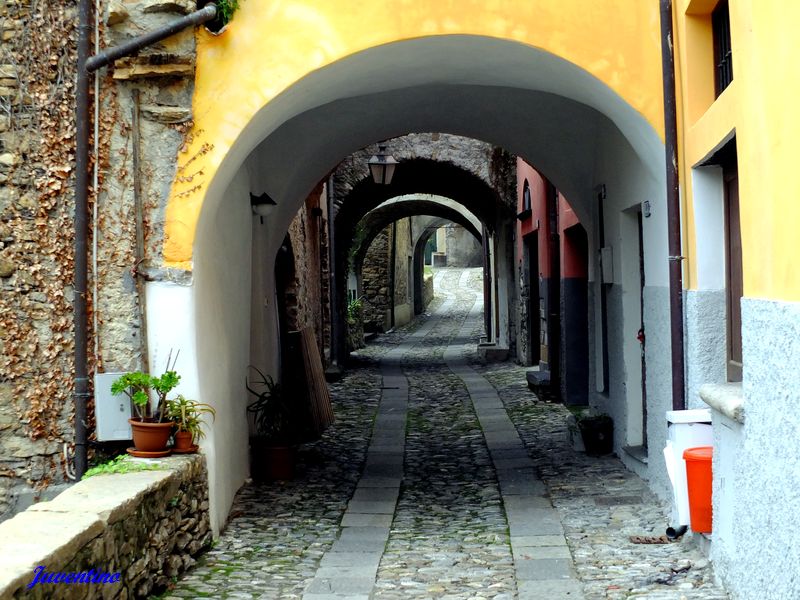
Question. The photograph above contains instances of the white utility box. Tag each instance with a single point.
(111, 413)
(686, 429)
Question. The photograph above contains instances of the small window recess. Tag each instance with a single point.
(526, 211)
(723, 56)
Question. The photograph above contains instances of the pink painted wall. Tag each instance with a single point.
(571, 265)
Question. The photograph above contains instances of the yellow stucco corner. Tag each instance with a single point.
(272, 44)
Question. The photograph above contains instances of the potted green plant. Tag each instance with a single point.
(187, 415)
(151, 428)
(273, 445)
(597, 432)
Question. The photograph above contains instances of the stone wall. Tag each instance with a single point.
(37, 160)
(147, 525)
(427, 290)
(307, 296)
(37, 128)
(375, 283)
(145, 98)
(404, 250)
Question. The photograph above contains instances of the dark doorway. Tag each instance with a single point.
(554, 294)
(575, 323)
(642, 338)
(286, 298)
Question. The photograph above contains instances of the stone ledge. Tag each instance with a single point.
(109, 523)
(726, 398)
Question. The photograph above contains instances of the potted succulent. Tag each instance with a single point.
(151, 427)
(187, 415)
(273, 445)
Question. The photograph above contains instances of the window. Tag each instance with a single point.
(526, 196)
(723, 64)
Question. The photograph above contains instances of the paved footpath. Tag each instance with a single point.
(446, 478)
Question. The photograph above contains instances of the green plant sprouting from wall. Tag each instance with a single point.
(225, 10)
(120, 464)
(354, 308)
(358, 238)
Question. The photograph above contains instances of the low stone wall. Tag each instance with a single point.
(427, 290)
(146, 526)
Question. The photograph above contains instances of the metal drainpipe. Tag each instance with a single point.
(81, 391)
(673, 207)
(87, 65)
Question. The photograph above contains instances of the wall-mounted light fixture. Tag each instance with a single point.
(382, 166)
(262, 205)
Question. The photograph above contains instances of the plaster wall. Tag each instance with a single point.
(221, 299)
(728, 474)
(759, 106)
(626, 187)
(659, 387)
(463, 250)
(232, 71)
(759, 549)
(705, 341)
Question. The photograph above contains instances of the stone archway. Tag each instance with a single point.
(480, 194)
(431, 209)
(582, 128)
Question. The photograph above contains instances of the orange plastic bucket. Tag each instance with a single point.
(698, 480)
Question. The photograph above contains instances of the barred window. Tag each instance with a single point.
(723, 63)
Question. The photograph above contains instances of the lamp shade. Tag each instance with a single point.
(262, 205)
(382, 166)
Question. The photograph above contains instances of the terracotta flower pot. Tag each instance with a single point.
(271, 462)
(150, 437)
(183, 440)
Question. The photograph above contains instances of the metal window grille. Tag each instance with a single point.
(723, 61)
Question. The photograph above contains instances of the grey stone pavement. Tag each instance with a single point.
(446, 478)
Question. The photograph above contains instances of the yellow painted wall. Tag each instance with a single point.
(761, 105)
(271, 44)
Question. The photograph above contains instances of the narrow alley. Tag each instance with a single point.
(446, 478)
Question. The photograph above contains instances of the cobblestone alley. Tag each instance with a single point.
(446, 478)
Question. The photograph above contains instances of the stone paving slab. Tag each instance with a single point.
(539, 552)
(523, 541)
(543, 568)
(350, 559)
(521, 502)
(335, 596)
(545, 589)
(371, 481)
(358, 545)
(351, 519)
(341, 584)
(368, 494)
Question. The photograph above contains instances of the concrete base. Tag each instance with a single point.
(537, 378)
(756, 547)
(492, 353)
(706, 341)
(23, 497)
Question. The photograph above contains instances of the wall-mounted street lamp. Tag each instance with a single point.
(262, 205)
(382, 166)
